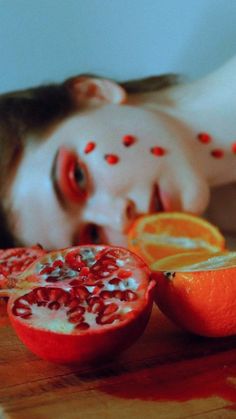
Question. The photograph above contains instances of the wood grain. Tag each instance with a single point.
(167, 374)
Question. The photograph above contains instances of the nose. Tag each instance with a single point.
(115, 213)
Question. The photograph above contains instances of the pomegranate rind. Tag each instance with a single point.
(90, 345)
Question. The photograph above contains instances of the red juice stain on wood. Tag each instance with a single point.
(199, 378)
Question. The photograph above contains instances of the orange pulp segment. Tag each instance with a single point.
(159, 235)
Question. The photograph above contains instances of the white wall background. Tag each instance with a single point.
(49, 40)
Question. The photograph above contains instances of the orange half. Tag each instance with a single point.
(197, 291)
(168, 233)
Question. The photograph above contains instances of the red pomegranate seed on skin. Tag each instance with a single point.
(111, 158)
(128, 140)
(204, 138)
(217, 153)
(158, 151)
(233, 148)
(89, 147)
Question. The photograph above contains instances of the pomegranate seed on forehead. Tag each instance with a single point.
(89, 147)
(217, 153)
(204, 138)
(158, 151)
(128, 140)
(111, 158)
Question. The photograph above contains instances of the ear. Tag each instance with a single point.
(89, 90)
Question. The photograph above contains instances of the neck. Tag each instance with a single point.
(208, 107)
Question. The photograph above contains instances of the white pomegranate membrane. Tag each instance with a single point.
(82, 288)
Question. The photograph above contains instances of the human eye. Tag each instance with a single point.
(70, 177)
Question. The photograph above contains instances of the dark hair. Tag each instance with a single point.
(34, 111)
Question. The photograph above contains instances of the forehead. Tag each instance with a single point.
(111, 120)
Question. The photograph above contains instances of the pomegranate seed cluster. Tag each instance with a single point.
(81, 290)
(16, 260)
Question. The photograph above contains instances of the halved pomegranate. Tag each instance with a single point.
(13, 262)
(82, 304)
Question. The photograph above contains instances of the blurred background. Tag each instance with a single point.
(49, 40)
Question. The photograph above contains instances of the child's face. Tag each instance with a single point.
(98, 171)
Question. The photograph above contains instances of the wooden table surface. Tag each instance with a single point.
(166, 374)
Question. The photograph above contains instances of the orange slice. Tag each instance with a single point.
(197, 291)
(159, 235)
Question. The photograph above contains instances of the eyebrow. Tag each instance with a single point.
(57, 191)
